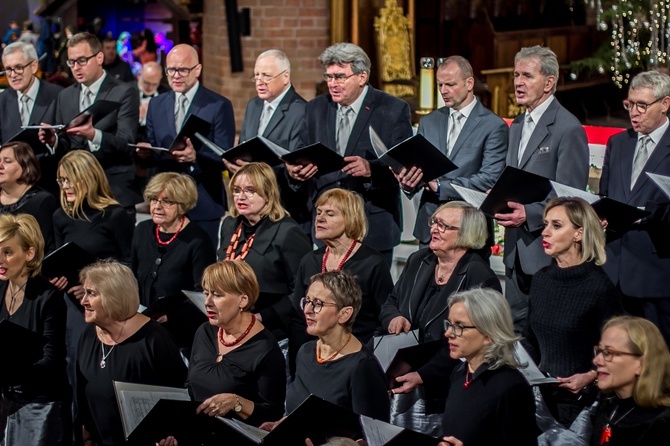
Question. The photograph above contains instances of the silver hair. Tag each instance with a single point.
(490, 313)
(657, 81)
(344, 53)
(547, 58)
(27, 49)
(472, 231)
(282, 60)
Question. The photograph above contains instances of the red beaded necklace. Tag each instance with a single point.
(158, 237)
(242, 336)
(342, 262)
(232, 246)
(320, 360)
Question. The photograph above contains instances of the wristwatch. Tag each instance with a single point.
(238, 406)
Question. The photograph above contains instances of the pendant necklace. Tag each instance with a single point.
(103, 361)
(606, 432)
(13, 296)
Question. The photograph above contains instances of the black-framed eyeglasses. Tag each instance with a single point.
(63, 180)
(265, 79)
(317, 304)
(249, 193)
(340, 78)
(441, 226)
(457, 329)
(641, 106)
(183, 71)
(83, 60)
(610, 353)
(18, 69)
(163, 201)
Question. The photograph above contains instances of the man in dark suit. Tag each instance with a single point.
(114, 66)
(28, 101)
(108, 139)
(638, 257)
(277, 113)
(472, 136)
(189, 97)
(546, 140)
(341, 121)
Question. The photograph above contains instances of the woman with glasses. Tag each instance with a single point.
(569, 301)
(261, 233)
(488, 400)
(633, 366)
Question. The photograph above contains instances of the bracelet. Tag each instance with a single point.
(595, 381)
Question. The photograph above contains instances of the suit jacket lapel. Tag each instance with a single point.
(540, 133)
(265, 234)
(331, 130)
(423, 277)
(105, 88)
(361, 123)
(255, 116)
(443, 129)
(626, 164)
(514, 141)
(41, 106)
(168, 113)
(279, 114)
(661, 151)
(468, 128)
(13, 113)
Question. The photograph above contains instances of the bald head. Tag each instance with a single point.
(183, 68)
(150, 77)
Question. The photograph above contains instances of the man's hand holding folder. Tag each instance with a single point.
(512, 219)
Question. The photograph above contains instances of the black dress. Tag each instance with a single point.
(355, 382)
(147, 357)
(254, 370)
(630, 424)
(41, 205)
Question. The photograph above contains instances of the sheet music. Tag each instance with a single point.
(566, 191)
(45, 127)
(474, 197)
(155, 149)
(377, 143)
(532, 374)
(209, 144)
(386, 347)
(198, 299)
(661, 181)
(251, 432)
(137, 400)
(276, 148)
(378, 433)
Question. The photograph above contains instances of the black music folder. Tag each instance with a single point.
(174, 418)
(19, 345)
(30, 137)
(409, 359)
(318, 154)
(192, 125)
(515, 185)
(97, 111)
(67, 261)
(257, 149)
(415, 151)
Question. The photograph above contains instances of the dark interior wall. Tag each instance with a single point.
(18, 10)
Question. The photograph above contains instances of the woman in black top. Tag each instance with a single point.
(119, 344)
(19, 194)
(633, 365)
(34, 405)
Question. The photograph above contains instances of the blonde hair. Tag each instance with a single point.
(86, 175)
(179, 188)
(352, 208)
(472, 230)
(232, 276)
(116, 285)
(263, 178)
(27, 232)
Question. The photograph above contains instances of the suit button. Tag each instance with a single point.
(427, 335)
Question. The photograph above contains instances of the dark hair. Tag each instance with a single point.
(89, 38)
(27, 160)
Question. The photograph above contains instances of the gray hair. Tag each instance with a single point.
(282, 60)
(472, 231)
(27, 49)
(547, 58)
(657, 81)
(344, 53)
(462, 63)
(490, 313)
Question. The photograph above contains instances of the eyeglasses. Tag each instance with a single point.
(610, 353)
(339, 78)
(163, 201)
(17, 69)
(183, 71)
(83, 60)
(317, 304)
(249, 193)
(62, 180)
(641, 106)
(441, 226)
(265, 79)
(457, 329)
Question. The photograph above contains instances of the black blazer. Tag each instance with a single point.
(391, 119)
(410, 290)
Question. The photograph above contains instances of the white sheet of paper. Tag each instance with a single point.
(378, 433)
(251, 432)
(661, 181)
(474, 197)
(276, 148)
(385, 347)
(566, 191)
(198, 299)
(44, 127)
(377, 143)
(532, 374)
(210, 145)
(137, 400)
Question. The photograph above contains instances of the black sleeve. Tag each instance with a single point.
(369, 393)
(271, 389)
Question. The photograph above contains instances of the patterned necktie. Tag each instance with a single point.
(528, 127)
(454, 129)
(343, 128)
(25, 110)
(86, 99)
(181, 112)
(265, 119)
(640, 159)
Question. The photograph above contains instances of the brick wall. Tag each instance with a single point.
(300, 28)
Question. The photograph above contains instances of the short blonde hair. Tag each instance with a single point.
(352, 208)
(85, 172)
(232, 276)
(179, 188)
(116, 285)
(27, 232)
(264, 181)
(472, 230)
